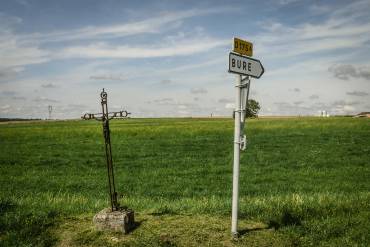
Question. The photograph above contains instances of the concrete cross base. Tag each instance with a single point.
(116, 221)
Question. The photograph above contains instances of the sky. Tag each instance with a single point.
(170, 58)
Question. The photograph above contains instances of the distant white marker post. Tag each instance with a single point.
(241, 65)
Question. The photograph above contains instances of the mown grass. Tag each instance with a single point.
(306, 179)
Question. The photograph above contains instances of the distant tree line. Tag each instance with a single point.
(17, 119)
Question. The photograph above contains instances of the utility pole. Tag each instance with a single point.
(50, 109)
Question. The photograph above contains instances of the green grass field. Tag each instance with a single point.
(304, 182)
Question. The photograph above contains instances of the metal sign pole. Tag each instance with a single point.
(235, 199)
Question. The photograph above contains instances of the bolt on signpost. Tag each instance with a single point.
(249, 67)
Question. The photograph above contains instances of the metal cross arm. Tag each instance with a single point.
(111, 115)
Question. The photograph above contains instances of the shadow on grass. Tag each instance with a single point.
(163, 211)
(287, 218)
(6, 205)
(137, 224)
(253, 229)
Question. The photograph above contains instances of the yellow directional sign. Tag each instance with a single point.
(243, 47)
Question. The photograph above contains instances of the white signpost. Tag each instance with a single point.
(247, 66)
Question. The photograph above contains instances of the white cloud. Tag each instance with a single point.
(25, 3)
(341, 30)
(229, 106)
(286, 2)
(166, 82)
(9, 73)
(314, 96)
(346, 71)
(110, 77)
(48, 85)
(198, 90)
(157, 24)
(5, 107)
(163, 101)
(319, 9)
(104, 50)
(13, 54)
(358, 93)
(17, 50)
(42, 99)
(225, 101)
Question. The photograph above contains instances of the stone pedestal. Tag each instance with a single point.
(116, 221)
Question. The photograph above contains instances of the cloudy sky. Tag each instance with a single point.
(170, 58)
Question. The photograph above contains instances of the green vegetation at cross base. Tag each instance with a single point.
(304, 181)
